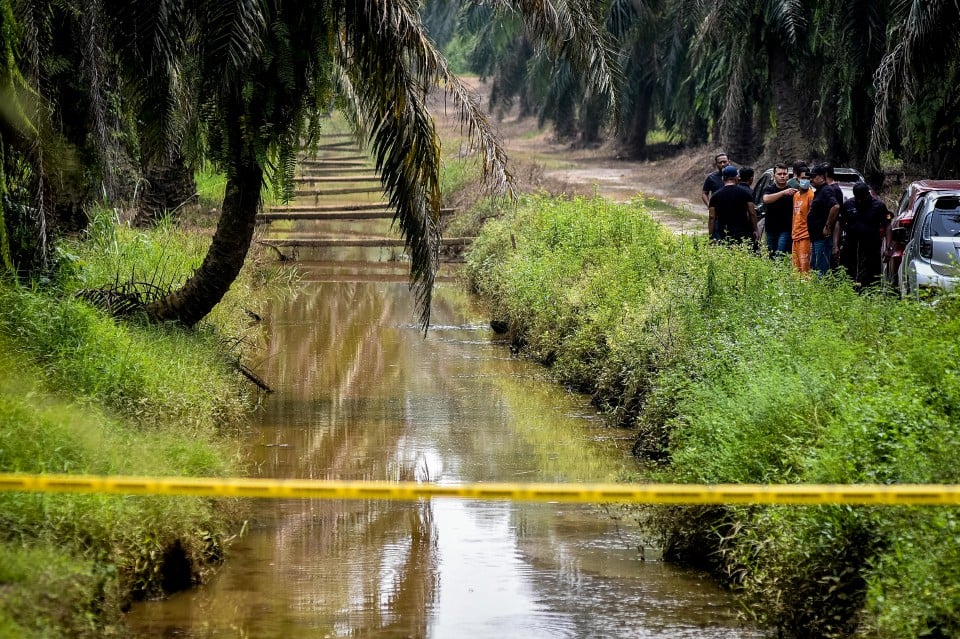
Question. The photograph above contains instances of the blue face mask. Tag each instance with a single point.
(804, 184)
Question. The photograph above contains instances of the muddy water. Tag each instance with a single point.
(361, 394)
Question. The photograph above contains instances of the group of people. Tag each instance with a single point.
(805, 216)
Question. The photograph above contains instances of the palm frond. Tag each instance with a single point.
(392, 65)
(572, 31)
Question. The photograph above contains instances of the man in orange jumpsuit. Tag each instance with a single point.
(801, 236)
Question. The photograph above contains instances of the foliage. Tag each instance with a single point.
(734, 369)
(211, 185)
(100, 397)
(30, 575)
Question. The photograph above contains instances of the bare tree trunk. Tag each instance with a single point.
(226, 255)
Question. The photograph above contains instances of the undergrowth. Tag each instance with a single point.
(734, 369)
(89, 394)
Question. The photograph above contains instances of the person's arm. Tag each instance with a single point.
(752, 213)
(705, 196)
(770, 198)
(711, 221)
(831, 220)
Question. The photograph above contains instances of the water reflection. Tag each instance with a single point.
(361, 394)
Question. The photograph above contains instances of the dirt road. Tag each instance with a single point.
(542, 164)
(674, 182)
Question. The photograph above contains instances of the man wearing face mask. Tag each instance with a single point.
(801, 206)
(863, 221)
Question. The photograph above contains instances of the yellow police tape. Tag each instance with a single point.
(854, 494)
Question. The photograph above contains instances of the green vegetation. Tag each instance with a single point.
(725, 74)
(732, 368)
(85, 393)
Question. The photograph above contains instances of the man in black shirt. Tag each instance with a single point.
(820, 219)
(863, 221)
(714, 181)
(840, 197)
(732, 215)
(778, 204)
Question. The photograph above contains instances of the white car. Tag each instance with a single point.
(931, 259)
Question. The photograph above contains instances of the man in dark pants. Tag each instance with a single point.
(778, 202)
(831, 183)
(820, 220)
(863, 221)
(714, 181)
(733, 217)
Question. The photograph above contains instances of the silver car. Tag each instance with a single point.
(931, 259)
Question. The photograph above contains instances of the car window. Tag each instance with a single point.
(946, 223)
(904, 202)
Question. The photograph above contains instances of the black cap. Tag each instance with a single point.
(861, 189)
(729, 172)
(818, 169)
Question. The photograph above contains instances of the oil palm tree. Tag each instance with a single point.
(266, 69)
(570, 82)
(62, 130)
(914, 86)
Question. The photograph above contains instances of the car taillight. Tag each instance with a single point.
(926, 247)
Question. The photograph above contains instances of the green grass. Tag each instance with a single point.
(732, 368)
(94, 395)
(211, 185)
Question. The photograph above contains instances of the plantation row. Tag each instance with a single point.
(733, 369)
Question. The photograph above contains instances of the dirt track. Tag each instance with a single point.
(542, 164)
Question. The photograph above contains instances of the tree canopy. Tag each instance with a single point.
(847, 80)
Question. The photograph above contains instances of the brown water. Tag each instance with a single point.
(361, 394)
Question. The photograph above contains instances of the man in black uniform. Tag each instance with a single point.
(733, 217)
(863, 221)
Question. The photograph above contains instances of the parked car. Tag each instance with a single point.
(931, 258)
(845, 177)
(910, 202)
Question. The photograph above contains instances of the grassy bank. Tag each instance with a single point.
(732, 368)
(84, 393)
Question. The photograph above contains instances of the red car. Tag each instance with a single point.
(899, 231)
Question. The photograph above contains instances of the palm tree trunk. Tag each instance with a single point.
(635, 136)
(169, 186)
(226, 255)
(789, 142)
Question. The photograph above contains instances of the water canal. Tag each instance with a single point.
(361, 394)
